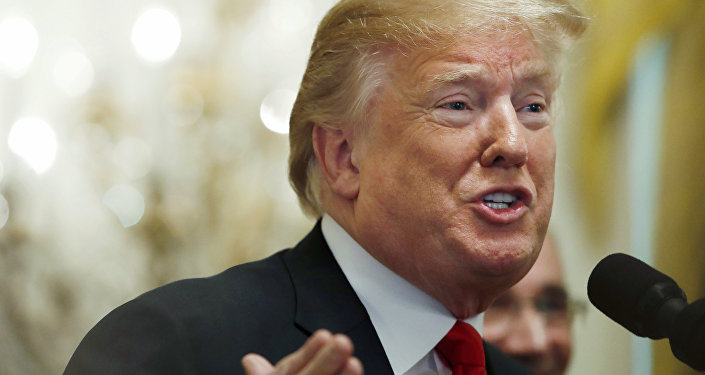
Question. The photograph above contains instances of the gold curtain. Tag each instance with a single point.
(680, 233)
(617, 27)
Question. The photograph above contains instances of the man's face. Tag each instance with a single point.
(456, 169)
(531, 321)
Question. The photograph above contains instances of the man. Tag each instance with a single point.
(532, 321)
(422, 137)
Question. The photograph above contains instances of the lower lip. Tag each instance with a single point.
(501, 216)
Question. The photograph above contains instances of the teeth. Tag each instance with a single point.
(497, 206)
(499, 198)
(499, 201)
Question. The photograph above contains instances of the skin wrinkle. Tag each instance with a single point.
(529, 69)
(530, 74)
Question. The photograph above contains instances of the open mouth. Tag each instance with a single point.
(499, 201)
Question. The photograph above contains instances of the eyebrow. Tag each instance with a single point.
(555, 288)
(475, 72)
(530, 70)
(533, 70)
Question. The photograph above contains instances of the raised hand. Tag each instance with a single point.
(322, 354)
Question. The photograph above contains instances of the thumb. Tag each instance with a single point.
(255, 364)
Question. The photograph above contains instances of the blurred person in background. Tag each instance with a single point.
(422, 140)
(532, 321)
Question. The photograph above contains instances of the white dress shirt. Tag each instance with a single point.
(409, 322)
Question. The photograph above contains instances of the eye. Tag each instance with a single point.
(534, 107)
(554, 301)
(456, 106)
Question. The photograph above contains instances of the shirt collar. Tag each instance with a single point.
(409, 322)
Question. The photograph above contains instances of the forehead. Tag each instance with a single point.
(477, 58)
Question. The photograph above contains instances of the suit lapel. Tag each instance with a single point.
(325, 299)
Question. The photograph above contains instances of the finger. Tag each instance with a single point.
(295, 361)
(331, 358)
(353, 367)
(255, 364)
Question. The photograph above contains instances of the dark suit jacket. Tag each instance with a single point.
(205, 326)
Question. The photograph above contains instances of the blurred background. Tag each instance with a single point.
(143, 142)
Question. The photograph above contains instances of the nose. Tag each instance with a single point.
(529, 337)
(506, 145)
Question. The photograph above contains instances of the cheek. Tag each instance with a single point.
(542, 162)
(437, 158)
(493, 332)
(397, 175)
(561, 343)
(449, 153)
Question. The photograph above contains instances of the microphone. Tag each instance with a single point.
(649, 304)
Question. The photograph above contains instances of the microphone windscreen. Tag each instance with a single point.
(618, 285)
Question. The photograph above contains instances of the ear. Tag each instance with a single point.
(333, 149)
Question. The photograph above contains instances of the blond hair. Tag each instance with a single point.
(345, 67)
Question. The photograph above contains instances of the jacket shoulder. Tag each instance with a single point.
(239, 286)
(181, 327)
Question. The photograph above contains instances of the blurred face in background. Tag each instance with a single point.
(531, 321)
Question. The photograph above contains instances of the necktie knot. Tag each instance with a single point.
(462, 350)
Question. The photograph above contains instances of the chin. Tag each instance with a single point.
(503, 261)
(500, 270)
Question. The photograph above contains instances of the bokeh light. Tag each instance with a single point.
(126, 202)
(276, 109)
(34, 140)
(156, 35)
(18, 45)
(73, 73)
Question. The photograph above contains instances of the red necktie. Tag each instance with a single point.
(462, 350)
